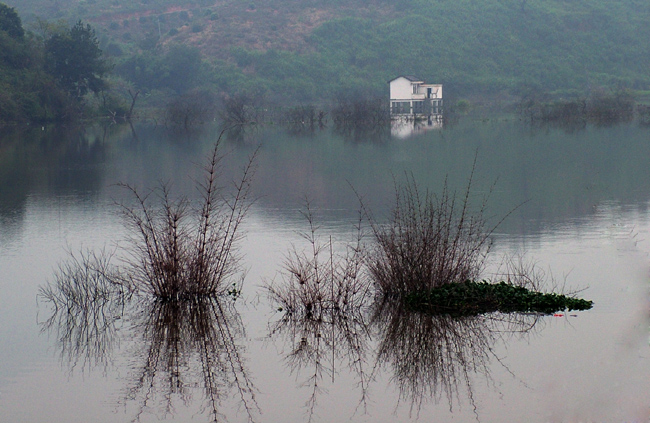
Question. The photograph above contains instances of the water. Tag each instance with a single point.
(578, 204)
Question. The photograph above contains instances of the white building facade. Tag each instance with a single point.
(410, 96)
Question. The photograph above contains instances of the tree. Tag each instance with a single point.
(76, 61)
(10, 22)
(183, 66)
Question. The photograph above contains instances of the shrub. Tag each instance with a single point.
(190, 109)
(241, 109)
(429, 241)
(320, 281)
(178, 252)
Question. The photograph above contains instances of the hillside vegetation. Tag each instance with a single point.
(312, 51)
(49, 77)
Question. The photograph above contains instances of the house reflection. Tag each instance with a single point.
(404, 127)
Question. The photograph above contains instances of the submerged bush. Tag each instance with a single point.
(599, 107)
(430, 241)
(178, 251)
(190, 109)
(320, 281)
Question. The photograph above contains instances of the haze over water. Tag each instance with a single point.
(580, 201)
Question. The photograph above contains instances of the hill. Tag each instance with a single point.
(311, 51)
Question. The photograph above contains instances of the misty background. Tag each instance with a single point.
(288, 53)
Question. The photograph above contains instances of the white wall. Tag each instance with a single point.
(401, 89)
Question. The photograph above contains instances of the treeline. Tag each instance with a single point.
(599, 107)
(47, 77)
(292, 52)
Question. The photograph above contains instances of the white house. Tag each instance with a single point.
(410, 96)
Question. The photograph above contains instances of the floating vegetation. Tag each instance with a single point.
(471, 298)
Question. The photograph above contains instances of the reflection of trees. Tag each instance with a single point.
(437, 356)
(50, 162)
(180, 336)
(321, 345)
(88, 304)
(182, 345)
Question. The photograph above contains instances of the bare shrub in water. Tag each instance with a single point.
(324, 293)
(179, 251)
(85, 281)
(430, 240)
(190, 110)
(319, 280)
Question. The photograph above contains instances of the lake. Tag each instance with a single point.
(576, 202)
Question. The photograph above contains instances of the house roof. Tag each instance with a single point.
(410, 78)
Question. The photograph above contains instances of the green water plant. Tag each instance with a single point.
(470, 298)
(431, 255)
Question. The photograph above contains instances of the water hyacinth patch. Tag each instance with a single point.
(473, 298)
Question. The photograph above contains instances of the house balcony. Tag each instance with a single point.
(418, 96)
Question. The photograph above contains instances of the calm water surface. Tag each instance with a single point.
(583, 217)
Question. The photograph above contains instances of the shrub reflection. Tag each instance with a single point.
(323, 344)
(177, 347)
(186, 345)
(437, 357)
